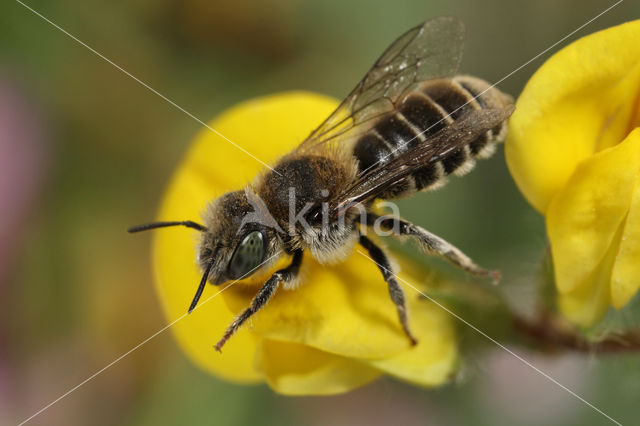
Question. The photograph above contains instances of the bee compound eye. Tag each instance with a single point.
(247, 256)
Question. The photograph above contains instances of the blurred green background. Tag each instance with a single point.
(86, 151)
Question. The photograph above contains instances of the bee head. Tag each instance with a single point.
(233, 244)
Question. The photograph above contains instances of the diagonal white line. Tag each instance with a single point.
(145, 85)
(163, 329)
(500, 345)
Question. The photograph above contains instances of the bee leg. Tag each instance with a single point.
(431, 243)
(263, 296)
(397, 295)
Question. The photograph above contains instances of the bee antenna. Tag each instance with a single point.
(154, 225)
(203, 282)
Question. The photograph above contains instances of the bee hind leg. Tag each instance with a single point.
(431, 243)
(395, 291)
(268, 289)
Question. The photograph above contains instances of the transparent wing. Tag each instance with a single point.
(430, 50)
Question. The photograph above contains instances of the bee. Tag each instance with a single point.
(406, 126)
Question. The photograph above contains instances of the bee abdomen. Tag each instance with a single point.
(420, 114)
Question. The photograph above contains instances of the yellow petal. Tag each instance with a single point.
(295, 369)
(343, 309)
(582, 100)
(625, 280)
(587, 304)
(586, 223)
(211, 167)
(176, 278)
(259, 129)
(433, 360)
(585, 215)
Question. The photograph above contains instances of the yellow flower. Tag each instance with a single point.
(338, 329)
(573, 148)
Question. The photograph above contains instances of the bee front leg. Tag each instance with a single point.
(397, 295)
(431, 243)
(268, 289)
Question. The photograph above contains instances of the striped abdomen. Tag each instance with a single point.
(420, 114)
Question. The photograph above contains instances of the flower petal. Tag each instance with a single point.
(261, 129)
(587, 303)
(343, 309)
(176, 278)
(295, 369)
(625, 279)
(582, 100)
(586, 219)
(205, 173)
(434, 359)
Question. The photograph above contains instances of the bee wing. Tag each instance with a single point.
(430, 50)
(375, 181)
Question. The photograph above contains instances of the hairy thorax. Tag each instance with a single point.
(301, 185)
